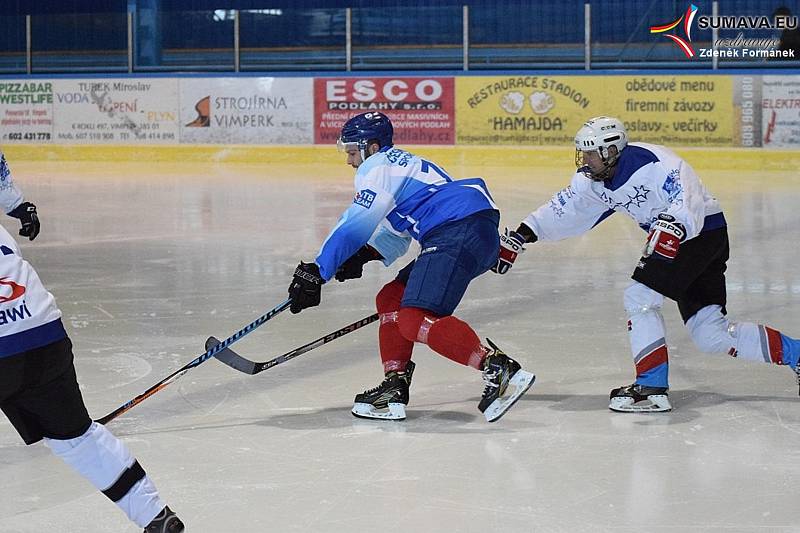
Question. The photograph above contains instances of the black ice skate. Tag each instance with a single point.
(502, 374)
(165, 522)
(388, 400)
(639, 399)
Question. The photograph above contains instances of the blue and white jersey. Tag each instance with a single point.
(649, 180)
(29, 317)
(10, 195)
(399, 196)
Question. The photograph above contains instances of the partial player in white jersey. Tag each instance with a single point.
(14, 205)
(684, 257)
(40, 396)
(400, 196)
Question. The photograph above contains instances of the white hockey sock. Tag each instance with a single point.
(646, 332)
(107, 463)
(712, 332)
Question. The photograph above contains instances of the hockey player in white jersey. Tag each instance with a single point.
(684, 257)
(400, 196)
(39, 390)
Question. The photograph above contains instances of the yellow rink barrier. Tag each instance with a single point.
(751, 159)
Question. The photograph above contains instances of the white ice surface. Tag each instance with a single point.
(148, 260)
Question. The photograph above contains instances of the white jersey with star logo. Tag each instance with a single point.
(649, 180)
(10, 195)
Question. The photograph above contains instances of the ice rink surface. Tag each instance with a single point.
(146, 260)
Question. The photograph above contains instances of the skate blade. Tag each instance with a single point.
(518, 385)
(395, 411)
(656, 403)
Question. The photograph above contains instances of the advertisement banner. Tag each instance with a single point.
(422, 110)
(780, 111)
(246, 110)
(548, 110)
(691, 111)
(524, 110)
(747, 111)
(537, 110)
(124, 110)
(26, 111)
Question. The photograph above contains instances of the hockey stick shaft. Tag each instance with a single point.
(195, 362)
(236, 361)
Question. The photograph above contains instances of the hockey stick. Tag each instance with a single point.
(211, 352)
(234, 360)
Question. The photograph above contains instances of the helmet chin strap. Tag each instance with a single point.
(608, 166)
(603, 174)
(364, 147)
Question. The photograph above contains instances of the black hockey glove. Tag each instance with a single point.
(26, 213)
(354, 267)
(306, 287)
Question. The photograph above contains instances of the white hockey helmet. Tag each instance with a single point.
(598, 135)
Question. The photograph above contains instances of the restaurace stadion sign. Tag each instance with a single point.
(733, 47)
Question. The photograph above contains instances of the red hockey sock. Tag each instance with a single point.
(395, 349)
(448, 336)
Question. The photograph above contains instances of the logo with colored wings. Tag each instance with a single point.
(687, 19)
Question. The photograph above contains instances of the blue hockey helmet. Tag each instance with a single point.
(363, 129)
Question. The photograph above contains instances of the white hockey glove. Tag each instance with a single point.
(511, 245)
(665, 237)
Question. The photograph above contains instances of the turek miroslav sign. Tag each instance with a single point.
(741, 46)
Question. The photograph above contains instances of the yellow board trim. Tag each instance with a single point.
(740, 159)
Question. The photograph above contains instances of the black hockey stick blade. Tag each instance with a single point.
(236, 361)
(231, 358)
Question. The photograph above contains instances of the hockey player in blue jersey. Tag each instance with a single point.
(684, 257)
(400, 197)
